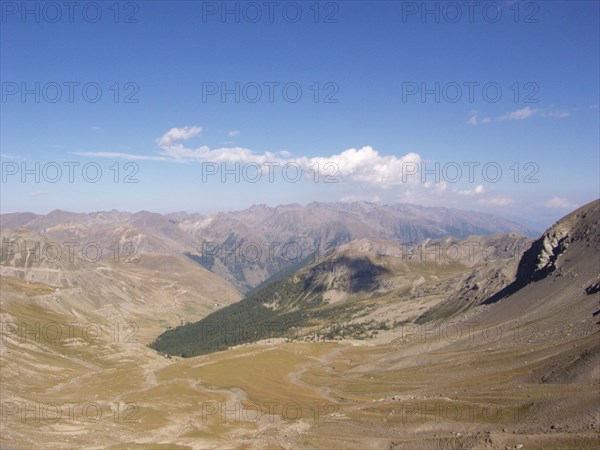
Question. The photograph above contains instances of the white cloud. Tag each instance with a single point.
(179, 153)
(178, 134)
(556, 114)
(558, 202)
(233, 133)
(519, 114)
(96, 129)
(364, 165)
(437, 187)
(477, 190)
(472, 120)
(496, 201)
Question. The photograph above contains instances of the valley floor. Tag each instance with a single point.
(425, 390)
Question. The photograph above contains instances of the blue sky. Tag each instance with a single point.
(387, 90)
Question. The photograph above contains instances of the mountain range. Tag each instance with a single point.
(249, 246)
(450, 340)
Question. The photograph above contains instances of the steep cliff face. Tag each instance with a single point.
(540, 259)
(545, 254)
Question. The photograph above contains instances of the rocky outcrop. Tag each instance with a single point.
(542, 258)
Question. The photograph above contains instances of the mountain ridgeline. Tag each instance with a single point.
(224, 242)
